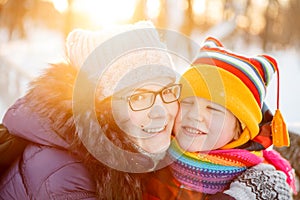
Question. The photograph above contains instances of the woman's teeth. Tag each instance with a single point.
(154, 130)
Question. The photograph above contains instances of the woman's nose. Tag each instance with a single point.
(158, 109)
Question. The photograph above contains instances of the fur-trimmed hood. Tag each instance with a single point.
(44, 114)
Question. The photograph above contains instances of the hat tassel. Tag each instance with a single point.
(279, 130)
(278, 126)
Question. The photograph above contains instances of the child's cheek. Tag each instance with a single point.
(177, 124)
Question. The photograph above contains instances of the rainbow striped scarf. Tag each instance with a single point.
(210, 172)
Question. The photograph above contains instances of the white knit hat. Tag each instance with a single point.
(117, 51)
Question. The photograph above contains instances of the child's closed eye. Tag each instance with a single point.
(216, 108)
(187, 102)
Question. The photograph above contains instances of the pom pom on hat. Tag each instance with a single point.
(239, 84)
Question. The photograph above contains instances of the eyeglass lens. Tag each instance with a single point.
(145, 100)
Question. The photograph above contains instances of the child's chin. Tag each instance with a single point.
(193, 147)
(187, 146)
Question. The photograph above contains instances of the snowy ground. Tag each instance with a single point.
(44, 46)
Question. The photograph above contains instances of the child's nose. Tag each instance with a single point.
(198, 111)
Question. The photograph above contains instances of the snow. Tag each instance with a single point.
(289, 63)
(45, 46)
(29, 56)
(42, 46)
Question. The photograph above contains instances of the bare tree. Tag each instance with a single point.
(140, 11)
(188, 21)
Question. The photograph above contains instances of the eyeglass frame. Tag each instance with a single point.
(127, 98)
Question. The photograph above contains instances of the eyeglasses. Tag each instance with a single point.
(144, 100)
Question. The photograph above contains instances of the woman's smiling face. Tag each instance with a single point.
(203, 125)
(150, 127)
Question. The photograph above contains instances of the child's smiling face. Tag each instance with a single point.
(203, 125)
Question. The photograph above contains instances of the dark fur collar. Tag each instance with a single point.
(50, 96)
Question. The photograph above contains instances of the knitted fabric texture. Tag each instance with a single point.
(210, 172)
(262, 182)
(234, 81)
(81, 43)
(124, 53)
(280, 163)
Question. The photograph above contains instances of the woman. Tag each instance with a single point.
(88, 134)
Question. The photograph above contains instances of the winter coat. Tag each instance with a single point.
(46, 170)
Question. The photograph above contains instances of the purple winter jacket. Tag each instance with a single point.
(46, 170)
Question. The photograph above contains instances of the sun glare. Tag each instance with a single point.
(153, 8)
(60, 5)
(199, 6)
(105, 13)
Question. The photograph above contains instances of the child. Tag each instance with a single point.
(218, 146)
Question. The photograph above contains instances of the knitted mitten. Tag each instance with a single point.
(220, 196)
(260, 182)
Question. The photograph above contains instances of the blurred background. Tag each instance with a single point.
(33, 32)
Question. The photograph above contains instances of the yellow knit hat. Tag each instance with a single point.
(236, 82)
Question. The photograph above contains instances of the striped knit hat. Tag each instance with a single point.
(239, 84)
